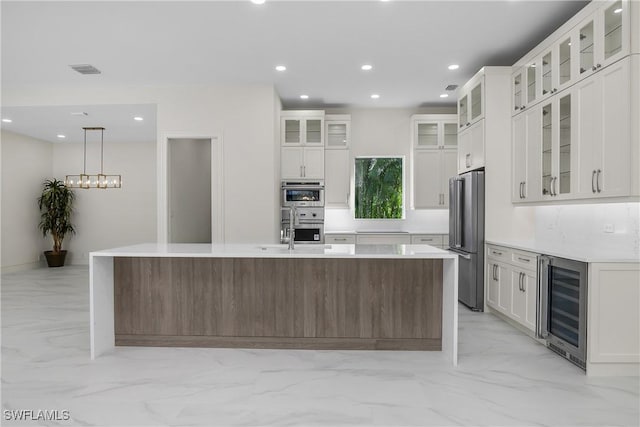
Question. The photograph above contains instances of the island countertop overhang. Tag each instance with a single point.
(256, 250)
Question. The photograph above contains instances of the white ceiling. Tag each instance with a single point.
(323, 44)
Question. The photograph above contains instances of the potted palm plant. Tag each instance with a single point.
(56, 203)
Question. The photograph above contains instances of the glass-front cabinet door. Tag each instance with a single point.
(476, 102)
(450, 139)
(547, 74)
(615, 37)
(463, 113)
(547, 150)
(565, 69)
(337, 133)
(516, 89)
(587, 48)
(313, 131)
(563, 186)
(427, 134)
(531, 83)
(292, 131)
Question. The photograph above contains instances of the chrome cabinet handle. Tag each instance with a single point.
(524, 259)
(340, 239)
(301, 172)
(598, 181)
(593, 68)
(497, 253)
(593, 186)
(467, 160)
(524, 189)
(494, 272)
(598, 65)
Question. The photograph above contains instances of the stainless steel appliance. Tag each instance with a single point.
(562, 307)
(308, 225)
(466, 235)
(303, 193)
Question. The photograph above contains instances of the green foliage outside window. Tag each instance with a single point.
(378, 185)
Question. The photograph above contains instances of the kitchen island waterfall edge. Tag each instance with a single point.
(365, 297)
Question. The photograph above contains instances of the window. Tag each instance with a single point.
(379, 188)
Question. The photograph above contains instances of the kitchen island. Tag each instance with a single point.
(369, 297)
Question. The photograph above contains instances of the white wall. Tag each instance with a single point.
(189, 176)
(114, 217)
(26, 163)
(571, 226)
(242, 115)
(387, 132)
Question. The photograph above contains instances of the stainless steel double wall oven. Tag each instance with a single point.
(305, 200)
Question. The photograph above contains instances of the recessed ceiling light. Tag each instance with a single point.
(281, 68)
(444, 95)
(366, 67)
(375, 96)
(257, 1)
(7, 120)
(138, 118)
(618, 10)
(304, 96)
(61, 136)
(453, 67)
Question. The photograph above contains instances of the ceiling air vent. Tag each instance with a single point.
(85, 69)
(451, 87)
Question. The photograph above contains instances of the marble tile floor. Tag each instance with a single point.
(504, 377)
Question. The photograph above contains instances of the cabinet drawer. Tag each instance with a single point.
(427, 239)
(526, 260)
(383, 239)
(340, 238)
(498, 253)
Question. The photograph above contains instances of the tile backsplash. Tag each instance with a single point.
(423, 221)
(613, 227)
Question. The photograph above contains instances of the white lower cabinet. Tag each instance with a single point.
(340, 238)
(383, 238)
(512, 284)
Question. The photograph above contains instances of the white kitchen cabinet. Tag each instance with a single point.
(523, 297)
(436, 240)
(471, 101)
(340, 238)
(337, 131)
(471, 147)
(482, 104)
(512, 284)
(305, 127)
(604, 37)
(383, 238)
(434, 141)
(337, 182)
(558, 146)
(613, 319)
(526, 138)
(603, 129)
(524, 87)
(302, 162)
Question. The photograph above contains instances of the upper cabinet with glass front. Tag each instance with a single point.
(434, 131)
(337, 131)
(604, 37)
(471, 101)
(600, 39)
(302, 128)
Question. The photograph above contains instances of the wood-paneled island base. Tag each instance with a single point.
(361, 297)
(312, 303)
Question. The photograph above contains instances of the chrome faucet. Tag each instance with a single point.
(293, 221)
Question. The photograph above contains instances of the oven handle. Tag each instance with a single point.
(542, 302)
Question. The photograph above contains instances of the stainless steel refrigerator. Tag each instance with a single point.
(466, 235)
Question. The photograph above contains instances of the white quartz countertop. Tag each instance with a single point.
(201, 250)
(585, 253)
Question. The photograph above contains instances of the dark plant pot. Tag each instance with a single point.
(55, 260)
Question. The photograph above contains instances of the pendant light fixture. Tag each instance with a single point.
(99, 180)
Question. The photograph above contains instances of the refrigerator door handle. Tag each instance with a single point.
(458, 226)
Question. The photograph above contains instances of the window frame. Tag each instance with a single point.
(403, 206)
